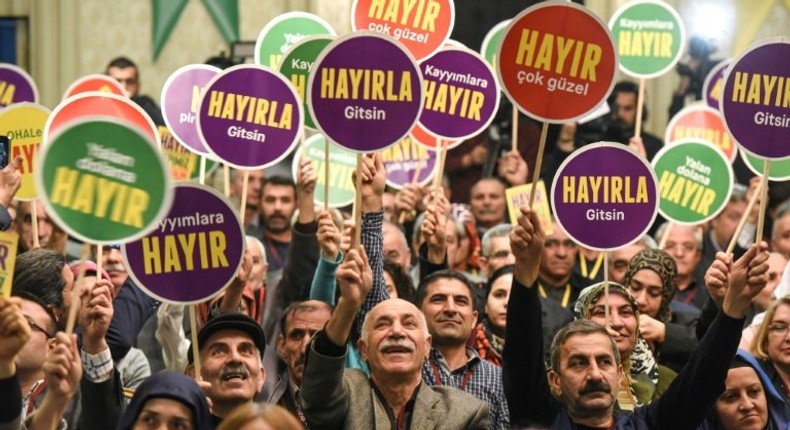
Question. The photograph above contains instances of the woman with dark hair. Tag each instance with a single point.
(749, 401)
(399, 283)
(489, 335)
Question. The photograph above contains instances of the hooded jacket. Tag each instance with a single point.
(777, 417)
(169, 385)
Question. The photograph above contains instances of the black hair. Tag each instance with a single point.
(278, 180)
(121, 63)
(422, 289)
(403, 284)
(54, 325)
(39, 273)
(626, 87)
(498, 273)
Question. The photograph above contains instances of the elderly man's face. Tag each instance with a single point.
(559, 255)
(395, 341)
(618, 263)
(488, 202)
(231, 363)
(682, 246)
(500, 255)
(589, 376)
(25, 227)
(394, 248)
(300, 326)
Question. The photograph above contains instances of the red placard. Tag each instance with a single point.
(95, 82)
(557, 61)
(701, 122)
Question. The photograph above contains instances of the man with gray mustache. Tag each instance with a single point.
(395, 343)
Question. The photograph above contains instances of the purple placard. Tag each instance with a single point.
(402, 160)
(365, 91)
(714, 84)
(16, 86)
(180, 99)
(605, 196)
(250, 117)
(160, 262)
(461, 92)
(755, 103)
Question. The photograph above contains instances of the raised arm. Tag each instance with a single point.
(323, 286)
(693, 393)
(524, 373)
(14, 334)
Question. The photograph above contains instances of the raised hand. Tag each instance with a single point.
(96, 312)
(512, 168)
(433, 231)
(328, 236)
(14, 333)
(374, 178)
(306, 179)
(354, 277)
(10, 180)
(406, 201)
(651, 329)
(717, 277)
(63, 366)
(526, 242)
(748, 276)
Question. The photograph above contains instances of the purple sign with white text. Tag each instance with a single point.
(194, 253)
(250, 117)
(180, 101)
(365, 91)
(755, 102)
(605, 196)
(16, 86)
(461, 94)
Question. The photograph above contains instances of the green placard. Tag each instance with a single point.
(694, 181)
(342, 164)
(491, 42)
(282, 32)
(649, 36)
(779, 170)
(103, 181)
(297, 64)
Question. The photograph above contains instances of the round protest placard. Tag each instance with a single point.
(779, 170)
(16, 86)
(366, 92)
(650, 37)
(250, 117)
(605, 195)
(755, 103)
(461, 94)
(297, 64)
(556, 62)
(714, 84)
(24, 124)
(701, 122)
(420, 135)
(95, 82)
(342, 164)
(195, 250)
(422, 27)
(180, 101)
(103, 181)
(694, 181)
(184, 165)
(491, 42)
(401, 163)
(283, 32)
(99, 104)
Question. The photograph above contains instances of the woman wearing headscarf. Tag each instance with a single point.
(749, 400)
(643, 379)
(170, 399)
(652, 280)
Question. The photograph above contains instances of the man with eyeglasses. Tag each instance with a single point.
(556, 279)
(684, 244)
(126, 73)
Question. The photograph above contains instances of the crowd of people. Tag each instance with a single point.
(441, 315)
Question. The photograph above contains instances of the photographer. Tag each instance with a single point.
(692, 73)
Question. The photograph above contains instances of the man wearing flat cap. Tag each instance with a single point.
(231, 347)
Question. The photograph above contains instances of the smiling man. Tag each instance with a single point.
(231, 348)
(395, 343)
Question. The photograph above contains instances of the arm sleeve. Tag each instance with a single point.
(132, 309)
(300, 264)
(101, 403)
(426, 267)
(693, 393)
(323, 286)
(324, 395)
(680, 340)
(12, 405)
(373, 242)
(523, 372)
(709, 312)
(170, 334)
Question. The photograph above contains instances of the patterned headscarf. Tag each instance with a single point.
(663, 264)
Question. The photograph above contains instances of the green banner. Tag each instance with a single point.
(165, 16)
(296, 66)
(779, 170)
(225, 14)
(694, 180)
(103, 181)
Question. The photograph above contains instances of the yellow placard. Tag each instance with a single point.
(518, 197)
(8, 247)
(24, 124)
